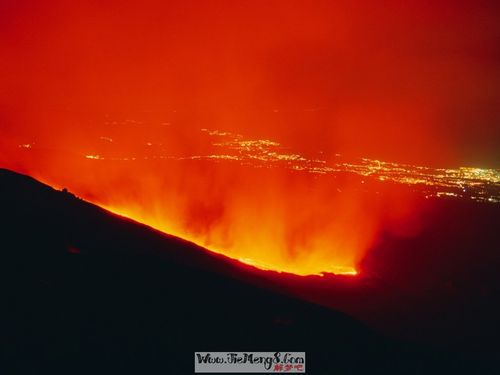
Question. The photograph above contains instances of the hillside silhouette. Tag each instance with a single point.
(86, 291)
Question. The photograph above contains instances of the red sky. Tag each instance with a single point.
(398, 80)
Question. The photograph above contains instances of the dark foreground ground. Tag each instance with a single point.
(84, 291)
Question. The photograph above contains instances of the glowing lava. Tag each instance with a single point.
(298, 269)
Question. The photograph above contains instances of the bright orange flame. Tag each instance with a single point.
(276, 220)
(276, 265)
(267, 247)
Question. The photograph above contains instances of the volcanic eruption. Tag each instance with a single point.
(221, 122)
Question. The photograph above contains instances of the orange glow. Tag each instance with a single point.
(261, 203)
(220, 121)
(265, 258)
(271, 226)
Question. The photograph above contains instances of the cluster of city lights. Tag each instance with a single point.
(476, 184)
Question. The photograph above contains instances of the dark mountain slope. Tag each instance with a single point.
(85, 291)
